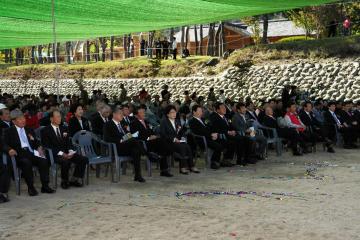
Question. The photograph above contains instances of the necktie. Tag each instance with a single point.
(336, 119)
(226, 121)
(120, 129)
(24, 139)
(58, 133)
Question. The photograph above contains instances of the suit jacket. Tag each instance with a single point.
(74, 125)
(240, 124)
(125, 122)
(168, 132)
(329, 119)
(357, 115)
(270, 122)
(11, 139)
(346, 117)
(4, 126)
(137, 126)
(97, 124)
(218, 124)
(50, 140)
(252, 116)
(199, 128)
(309, 121)
(112, 133)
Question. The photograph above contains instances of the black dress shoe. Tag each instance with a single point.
(47, 189)
(166, 174)
(32, 191)
(65, 185)
(139, 179)
(75, 184)
(3, 198)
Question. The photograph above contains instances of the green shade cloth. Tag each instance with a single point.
(29, 22)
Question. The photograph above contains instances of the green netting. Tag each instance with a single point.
(29, 22)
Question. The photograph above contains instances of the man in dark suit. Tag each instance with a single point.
(127, 116)
(288, 133)
(153, 143)
(114, 133)
(313, 126)
(99, 119)
(174, 133)
(334, 122)
(56, 138)
(228, 136)
(5, 121)
(198, 127)
(255, 143)
(21, 143)
(350, 121)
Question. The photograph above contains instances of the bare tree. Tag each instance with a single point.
(112, 40)
(97, 50)
(49, 60)
(264, 39)
(40, 59)
(33, 55)
(187, 37)
(201, 40)
(211, 36)
(182, 39)
(125, 46)
(87, 52)
(196, 41)
(67, 52)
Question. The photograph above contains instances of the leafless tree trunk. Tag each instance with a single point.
(33, 55)
(112, 40)
(182, 39)
(125, 46)
(264, 39)
(210, 46)
(222, 39)
(49, 60)
(7, 55)
(87, 52)
(67, 52)
(196, 41)
(97, 50)
(201, 40)
(40, 59)
(187, 37)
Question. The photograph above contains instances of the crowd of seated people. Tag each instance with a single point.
(236, 132)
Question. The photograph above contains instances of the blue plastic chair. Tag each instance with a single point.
(84, 141)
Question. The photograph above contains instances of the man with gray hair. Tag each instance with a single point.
(100, 118)
(20, 142)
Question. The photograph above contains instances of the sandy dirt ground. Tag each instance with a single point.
(324, 204)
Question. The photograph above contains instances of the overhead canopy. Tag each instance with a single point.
(29, 22)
